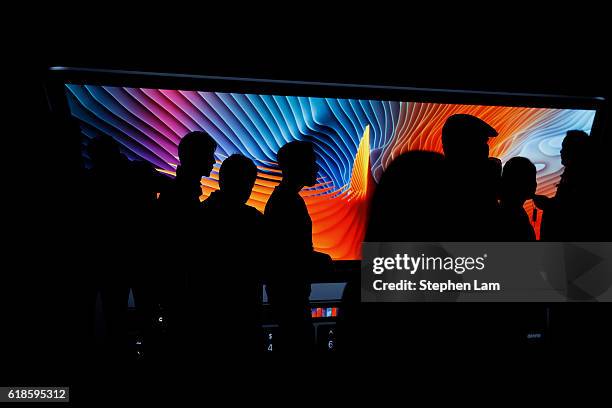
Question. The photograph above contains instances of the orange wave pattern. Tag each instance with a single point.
(535, 133)
(355, 140)
(335, 231)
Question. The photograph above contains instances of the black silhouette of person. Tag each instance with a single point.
(407, 206)
(290, 229)
(577, 212)
(564, 214)
(196, 156)
(473, 188)
(472, 179)
(146, 184)
(228, 288)
(413, 184)
(69, 213)
(518, 184)
(118, 210)
(179, 209)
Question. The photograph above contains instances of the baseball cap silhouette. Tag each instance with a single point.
(468, 125)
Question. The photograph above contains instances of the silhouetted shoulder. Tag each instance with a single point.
(254, 212)
(284, 203)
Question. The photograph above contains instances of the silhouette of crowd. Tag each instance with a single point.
(197, 269)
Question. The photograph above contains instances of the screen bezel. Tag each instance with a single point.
(139, 79)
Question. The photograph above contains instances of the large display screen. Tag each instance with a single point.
(355, 140)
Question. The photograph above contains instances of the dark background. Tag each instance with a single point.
(559, 49)
(511, 50)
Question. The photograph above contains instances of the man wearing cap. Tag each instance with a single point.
(473, 179)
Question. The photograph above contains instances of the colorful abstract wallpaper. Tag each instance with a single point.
(355, 140)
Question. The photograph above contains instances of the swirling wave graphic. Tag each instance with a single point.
(355, 140)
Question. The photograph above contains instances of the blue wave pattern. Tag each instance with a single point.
(149, 123)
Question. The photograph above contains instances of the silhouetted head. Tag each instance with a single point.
(104, 152)
(465, 137)
(237, 177)
(196, 152)
(518, 180)
(574, 148)
(297, 160)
